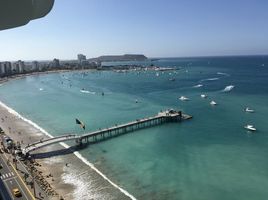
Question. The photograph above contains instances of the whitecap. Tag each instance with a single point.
(228, 88)
(41, 89)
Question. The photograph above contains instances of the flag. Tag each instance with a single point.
(82, 125)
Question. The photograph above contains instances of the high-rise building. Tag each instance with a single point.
(21, 66)
(81, 58)
(6, 66)
(35, 66)
(2, 70)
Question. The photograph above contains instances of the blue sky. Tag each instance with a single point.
(156, 28)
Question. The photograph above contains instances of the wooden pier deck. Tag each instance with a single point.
(102, 134)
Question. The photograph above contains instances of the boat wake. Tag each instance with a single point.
(228, 88)
(77, 154)
(223, 73)
(87, 92)
(198, 86)
(210, 79)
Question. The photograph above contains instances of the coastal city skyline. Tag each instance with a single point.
(155, 29)
(9, 68)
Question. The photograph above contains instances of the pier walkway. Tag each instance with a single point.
(102, 134)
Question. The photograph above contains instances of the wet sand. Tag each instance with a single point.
(76, 180)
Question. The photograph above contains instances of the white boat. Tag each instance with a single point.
(183, 98)
(250, 127)
(213, 103)
(203, 96)
(249, 110)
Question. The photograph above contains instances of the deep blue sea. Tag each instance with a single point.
(209, 157)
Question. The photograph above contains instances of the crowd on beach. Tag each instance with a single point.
(28, 168)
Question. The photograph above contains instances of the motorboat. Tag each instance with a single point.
(249, 110)
(250, 127)
(183, 98)
(213, 103)
(203, 96)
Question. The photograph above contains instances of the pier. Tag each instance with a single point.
(116, 130)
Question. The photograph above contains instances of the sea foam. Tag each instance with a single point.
(77, 154)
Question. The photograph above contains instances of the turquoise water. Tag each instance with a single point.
(209, 157)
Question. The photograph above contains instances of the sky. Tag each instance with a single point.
(155, 28)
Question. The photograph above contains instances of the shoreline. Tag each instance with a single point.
(20, 76)
(56, 164)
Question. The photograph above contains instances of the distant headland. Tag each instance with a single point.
(126, 57)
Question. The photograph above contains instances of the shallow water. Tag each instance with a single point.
(209, 157)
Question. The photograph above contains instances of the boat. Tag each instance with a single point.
(203, 96)
(213, 103)
(249, 110)
(172, 79)
(183, 98)
(250, 127)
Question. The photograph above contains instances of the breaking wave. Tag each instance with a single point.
(77, 154)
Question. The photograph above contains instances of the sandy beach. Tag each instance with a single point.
(71, 176)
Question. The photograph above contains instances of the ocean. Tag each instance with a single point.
(211, 156)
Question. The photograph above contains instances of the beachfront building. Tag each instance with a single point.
(5, 69)
(21, 66)
(35, 66)
(2, 70)
(55, 63)
(81, 59)
(28, 67)
(17, 67)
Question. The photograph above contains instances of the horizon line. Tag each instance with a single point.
(160, 57)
